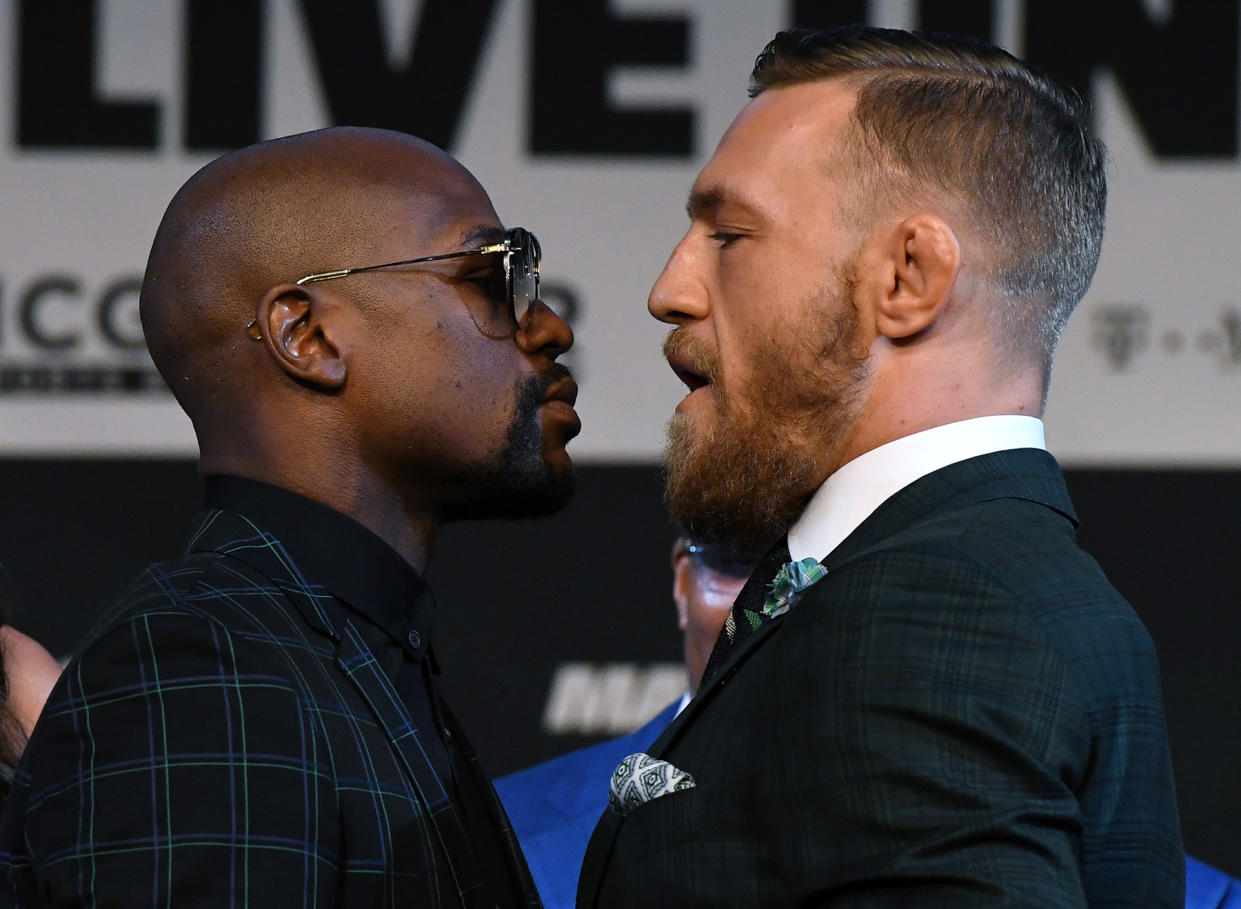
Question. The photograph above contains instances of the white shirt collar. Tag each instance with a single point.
(850, 495)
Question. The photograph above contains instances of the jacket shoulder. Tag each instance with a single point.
(206, 589)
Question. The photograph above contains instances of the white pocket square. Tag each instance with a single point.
(640, 778)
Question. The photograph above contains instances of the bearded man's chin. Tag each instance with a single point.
(736, 486)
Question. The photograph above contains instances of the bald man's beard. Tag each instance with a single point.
(519, 481)
(740, 480)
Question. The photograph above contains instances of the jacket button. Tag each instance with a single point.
(414, 638)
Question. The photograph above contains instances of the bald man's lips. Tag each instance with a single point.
(558, 401)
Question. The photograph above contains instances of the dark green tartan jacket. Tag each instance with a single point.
(228, 739)
(963, 712)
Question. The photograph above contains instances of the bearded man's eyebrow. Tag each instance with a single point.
(704, 203)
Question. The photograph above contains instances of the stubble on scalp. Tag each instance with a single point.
(741, 480)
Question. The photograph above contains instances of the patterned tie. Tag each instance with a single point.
(762, 600)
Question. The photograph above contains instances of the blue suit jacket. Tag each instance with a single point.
(1209, 888)
(554, 807)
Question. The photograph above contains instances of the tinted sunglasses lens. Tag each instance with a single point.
(524, 273)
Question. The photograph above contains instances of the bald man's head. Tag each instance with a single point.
(267, 214)
(399, 390)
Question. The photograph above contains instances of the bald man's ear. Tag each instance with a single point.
(919, 260)
(299, 336)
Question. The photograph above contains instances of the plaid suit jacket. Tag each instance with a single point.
(963, 712)
(226, 739)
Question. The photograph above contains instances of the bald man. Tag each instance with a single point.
(361, 348)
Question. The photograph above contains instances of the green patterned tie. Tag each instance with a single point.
(786, 588)
(760, 602)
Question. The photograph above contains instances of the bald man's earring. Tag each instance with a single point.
(253, 330)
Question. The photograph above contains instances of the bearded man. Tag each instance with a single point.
(361, 348)
(926, 695)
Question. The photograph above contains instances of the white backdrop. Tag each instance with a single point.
(1148, 373)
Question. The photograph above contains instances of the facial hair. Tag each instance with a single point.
(741, 476)
(518, 480)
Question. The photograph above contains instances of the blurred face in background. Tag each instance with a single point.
(30, 672)
(704, 586)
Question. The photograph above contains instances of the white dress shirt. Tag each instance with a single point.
(850, 495)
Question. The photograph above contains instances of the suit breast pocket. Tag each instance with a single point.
(670, 821)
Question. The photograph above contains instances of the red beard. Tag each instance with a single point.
(740, 475)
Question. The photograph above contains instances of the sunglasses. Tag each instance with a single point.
(521, 253)
(720, 559)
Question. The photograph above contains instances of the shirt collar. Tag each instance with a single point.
(335, 551)
(850, 495)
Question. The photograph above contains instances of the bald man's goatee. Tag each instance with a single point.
(519, 481)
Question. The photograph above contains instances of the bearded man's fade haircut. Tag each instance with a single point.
(949, 114)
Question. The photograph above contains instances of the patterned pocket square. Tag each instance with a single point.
(640, 778)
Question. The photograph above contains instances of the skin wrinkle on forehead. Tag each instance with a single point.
(425, 211)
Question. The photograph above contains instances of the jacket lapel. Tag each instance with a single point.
(599, 850)
(357, 661)
(715, 684)
(518, 868)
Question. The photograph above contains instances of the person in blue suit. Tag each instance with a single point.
(1209, 888)
(554, 806)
